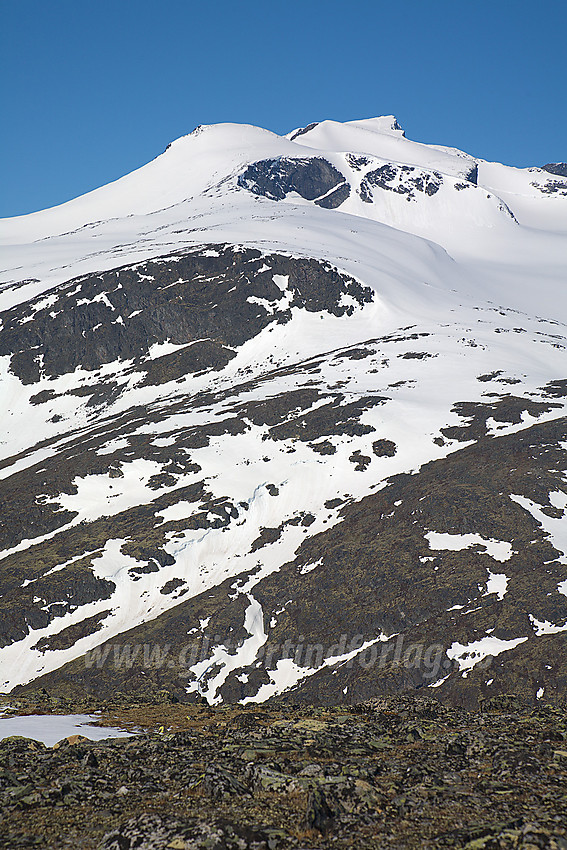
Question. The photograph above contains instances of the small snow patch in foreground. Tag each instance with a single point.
(49, 729)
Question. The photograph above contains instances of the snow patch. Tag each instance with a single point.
(555, 529)
(469, 655)
(500, 550)
(497, 583)
(50, 729)
(243, 657)
(544, 627)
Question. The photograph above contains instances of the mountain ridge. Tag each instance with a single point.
(232, 357)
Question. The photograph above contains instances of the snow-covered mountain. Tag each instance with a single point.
(288, 412)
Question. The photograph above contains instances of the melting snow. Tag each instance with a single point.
(288, 673)
(53, 728)
(113, 446)
(434, 262)
(497, 583)
(544, 627)
(555, 528)
(497, 549)
(159, 349)
(469, 655)
(244, 656)
(307, 568)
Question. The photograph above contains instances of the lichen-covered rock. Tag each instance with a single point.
(391, 772)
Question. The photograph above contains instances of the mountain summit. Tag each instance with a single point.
(285, 418)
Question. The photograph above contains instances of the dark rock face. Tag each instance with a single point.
(119, 315)
(559, 168)
(46, 599)
(553, 187)
(304, 130)
(472, 174)
(384, 448)
(402, 179)
(313, 178)
(357, 162)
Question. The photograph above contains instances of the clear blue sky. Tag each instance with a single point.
(92, 89)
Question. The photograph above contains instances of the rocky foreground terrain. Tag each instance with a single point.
(390, 773)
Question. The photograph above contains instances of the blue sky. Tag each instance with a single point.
(92, 90)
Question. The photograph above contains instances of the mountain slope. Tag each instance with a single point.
(307, 389)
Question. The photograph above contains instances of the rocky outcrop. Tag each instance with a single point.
(313, 178)
(559, 168)
(402, 179)
(207, 303)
